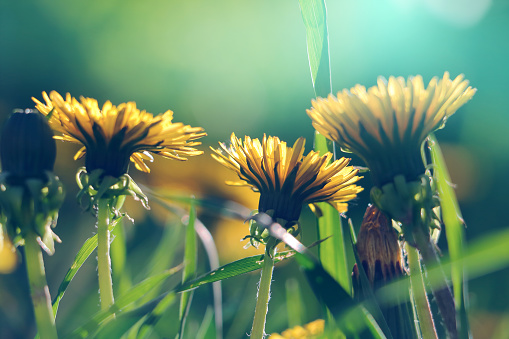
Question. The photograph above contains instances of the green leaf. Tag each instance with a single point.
(314, 15)
(162, 256)
(190, 263)
(232, 269)
(88, 247)
(454, 230)
(134, 294)
(333, 253)
(153, 318)
(351, 318)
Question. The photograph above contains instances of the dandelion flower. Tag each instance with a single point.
(113, 135)
(285, 178)
(387, 124)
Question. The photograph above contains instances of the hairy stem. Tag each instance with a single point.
(39, 290)
(103, 255)
(426, 323)
(443, 295)
(262, 302)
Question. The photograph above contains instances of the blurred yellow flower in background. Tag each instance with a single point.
(314, 329)
(113, 135)
(387, 124)
(284, 178)
(8, 256)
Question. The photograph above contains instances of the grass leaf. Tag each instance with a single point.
(454, 230)
(314, 15)
(134, 294)
(232, 269)
(190, 264)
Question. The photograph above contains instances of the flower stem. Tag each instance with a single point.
(426, 323)
(103, 254)
(262, 302)
(39, 290)
(443, 295)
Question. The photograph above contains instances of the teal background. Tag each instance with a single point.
(232, 66)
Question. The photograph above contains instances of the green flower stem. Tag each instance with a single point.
(426, 323)
(39, 290)
(103, 254)
(262, 302)
(443, 295)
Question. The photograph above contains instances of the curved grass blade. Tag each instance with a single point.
(88, 247)
(189, 272)
(333, 253)
(350, 317)
(314, 15)
(134, 294)
(454, 231)
(233, 210)
(232, 269)
(153, 318)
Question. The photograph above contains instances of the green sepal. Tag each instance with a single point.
(32, 205)
(409, 203)
(95, 185)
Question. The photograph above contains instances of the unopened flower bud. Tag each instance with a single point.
(27, 147)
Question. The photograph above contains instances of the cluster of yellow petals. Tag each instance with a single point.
(85, 122)
(314, 329)
(268, 165)
(399, 108)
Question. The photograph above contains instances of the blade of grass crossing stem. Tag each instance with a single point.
(189, 272)
(232, 269)
(314, 15)
(133, 295)
(454, 231)
(88, 247)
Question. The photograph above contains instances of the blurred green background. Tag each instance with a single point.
(232, 66)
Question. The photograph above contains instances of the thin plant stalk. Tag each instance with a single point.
(39, 288)
(443, 295)
(262, 302)
(103, 255)
(423, 310)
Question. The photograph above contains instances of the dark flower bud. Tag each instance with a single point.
(27, 147)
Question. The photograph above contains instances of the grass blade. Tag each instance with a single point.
(232, 269)
(88, 247)
(189, 272)
(134, 294)
(314, 15)
(454, 231)
(332, 253)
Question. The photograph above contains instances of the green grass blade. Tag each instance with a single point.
(294, 305)
(333, 253)
(88, 247)
(134, 294)
(454, 231)
(162, 257)
(153, 318)
(121, 278)
(232, 269)
(189, 272)
(314, 15)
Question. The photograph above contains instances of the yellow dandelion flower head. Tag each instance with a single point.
(285, 178)
(113, 135)
(387, 124)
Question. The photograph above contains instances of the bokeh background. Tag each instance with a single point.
(241, 66)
